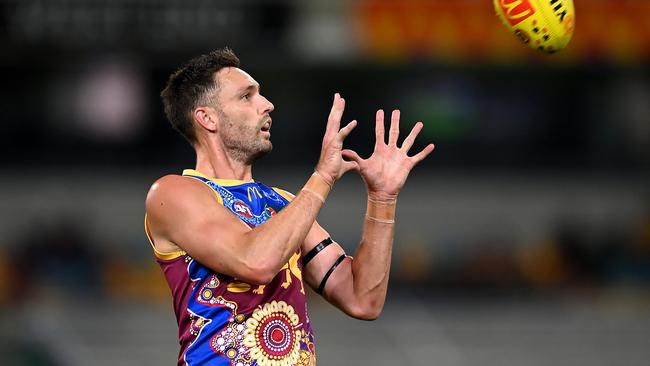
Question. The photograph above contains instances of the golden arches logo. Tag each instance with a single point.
(516, 11)
(254, 191)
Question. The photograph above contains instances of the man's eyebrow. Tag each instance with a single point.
(250, 87)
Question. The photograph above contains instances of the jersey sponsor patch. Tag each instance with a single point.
(240, 208)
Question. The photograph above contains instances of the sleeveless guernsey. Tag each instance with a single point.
(225, 321)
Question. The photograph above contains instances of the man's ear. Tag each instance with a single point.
(206, 117)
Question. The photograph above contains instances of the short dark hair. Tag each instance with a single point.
(193, 85)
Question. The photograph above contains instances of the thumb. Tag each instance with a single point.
(345, 131)
(351, 155)
(349, 165)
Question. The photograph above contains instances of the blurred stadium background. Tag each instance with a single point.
(523, 240)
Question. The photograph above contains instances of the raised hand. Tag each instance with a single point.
(331, 165)
(386, 170)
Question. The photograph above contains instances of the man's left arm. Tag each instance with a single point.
(357, 285)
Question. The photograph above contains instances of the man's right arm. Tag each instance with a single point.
(184, 213)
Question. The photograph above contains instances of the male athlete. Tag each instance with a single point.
(235, 251)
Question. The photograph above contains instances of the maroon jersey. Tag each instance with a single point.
(226, 321)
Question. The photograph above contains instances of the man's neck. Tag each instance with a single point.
(215, 163)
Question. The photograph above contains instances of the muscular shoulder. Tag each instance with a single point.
(175, 193)
(171, 188)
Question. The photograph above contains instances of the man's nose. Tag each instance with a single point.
(267, 106)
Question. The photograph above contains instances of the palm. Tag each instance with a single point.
(386, 170)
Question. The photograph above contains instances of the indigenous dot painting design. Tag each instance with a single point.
(272, 334)
(207, 291)
(229, 342)
(269, 342)
(307, 355)
(270, 330)
(237, 206)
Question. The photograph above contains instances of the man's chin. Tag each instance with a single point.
(265, 150)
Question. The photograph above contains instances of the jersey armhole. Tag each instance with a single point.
(156, 252)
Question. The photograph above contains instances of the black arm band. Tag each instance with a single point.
(312, 253)
(321, 287)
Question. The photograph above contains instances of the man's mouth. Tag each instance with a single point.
(266, 127)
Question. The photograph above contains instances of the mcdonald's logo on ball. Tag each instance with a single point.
(543, 25)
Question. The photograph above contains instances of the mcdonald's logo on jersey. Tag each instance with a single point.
(253, 192)
(516, 11)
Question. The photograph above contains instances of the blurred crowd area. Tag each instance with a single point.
(60, 258)
(82, 80)
(539, 183)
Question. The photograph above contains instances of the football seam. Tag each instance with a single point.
(557, 36)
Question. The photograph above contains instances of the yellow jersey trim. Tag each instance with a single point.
(284, 193)
(221, 182)
(156, 252)
(190, 172)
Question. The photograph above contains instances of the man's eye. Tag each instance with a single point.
(246, 96)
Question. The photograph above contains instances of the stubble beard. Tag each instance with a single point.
(243, 142)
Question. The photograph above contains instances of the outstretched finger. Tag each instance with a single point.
(345, 131)
(422, 154)
(410, 139)
(393, 133)
(334, 119)
(379, 126)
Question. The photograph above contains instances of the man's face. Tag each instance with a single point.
(244, 120)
